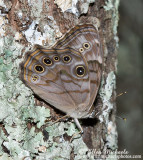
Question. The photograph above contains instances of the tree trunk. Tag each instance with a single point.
(25, 23)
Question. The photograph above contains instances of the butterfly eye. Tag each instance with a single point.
(47, 61)
(39, 68)
(86, 45)
(56, 58)
(66, 59)
(35, 78)
(81, 50)
(80, 71)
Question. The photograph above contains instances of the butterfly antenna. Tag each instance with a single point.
(121, 118)
(117, 96)
(110, 99)
(121, 94)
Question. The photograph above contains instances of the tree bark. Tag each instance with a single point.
(25, 23)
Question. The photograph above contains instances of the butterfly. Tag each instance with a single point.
(68, 74)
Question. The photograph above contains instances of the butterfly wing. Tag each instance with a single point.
(60, 77)
(85, 39)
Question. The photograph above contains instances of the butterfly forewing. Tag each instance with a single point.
(60, 77)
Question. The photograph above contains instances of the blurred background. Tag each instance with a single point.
(130, 77)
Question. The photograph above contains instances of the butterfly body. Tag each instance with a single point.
(68, 74)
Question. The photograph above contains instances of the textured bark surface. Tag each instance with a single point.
(25, 23)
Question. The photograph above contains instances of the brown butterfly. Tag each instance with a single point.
(68, 74)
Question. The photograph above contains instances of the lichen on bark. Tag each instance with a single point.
(24, 23)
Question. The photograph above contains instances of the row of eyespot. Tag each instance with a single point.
(85, 46)
(79, 69)
(66, 59)
(80, 72)
(48, 62)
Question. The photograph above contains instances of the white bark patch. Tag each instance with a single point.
(2, 4)
(113, 5)
(67, 5)
(3, 21)
(18, 36)
(71, 6)
(106, 93)
(112, 134)
(33, 35)
(109, 5)
(42, 38)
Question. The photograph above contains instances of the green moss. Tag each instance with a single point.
(32, 140)
(5, 157)
(17, 109)
(17, 105)
(72, 129)
(1, 60)
(80, 149)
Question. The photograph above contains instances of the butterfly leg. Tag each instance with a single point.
(80, 128)
(47, 124)
(78, 125)
(66, 116)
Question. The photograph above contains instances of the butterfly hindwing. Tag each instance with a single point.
(85, 39)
